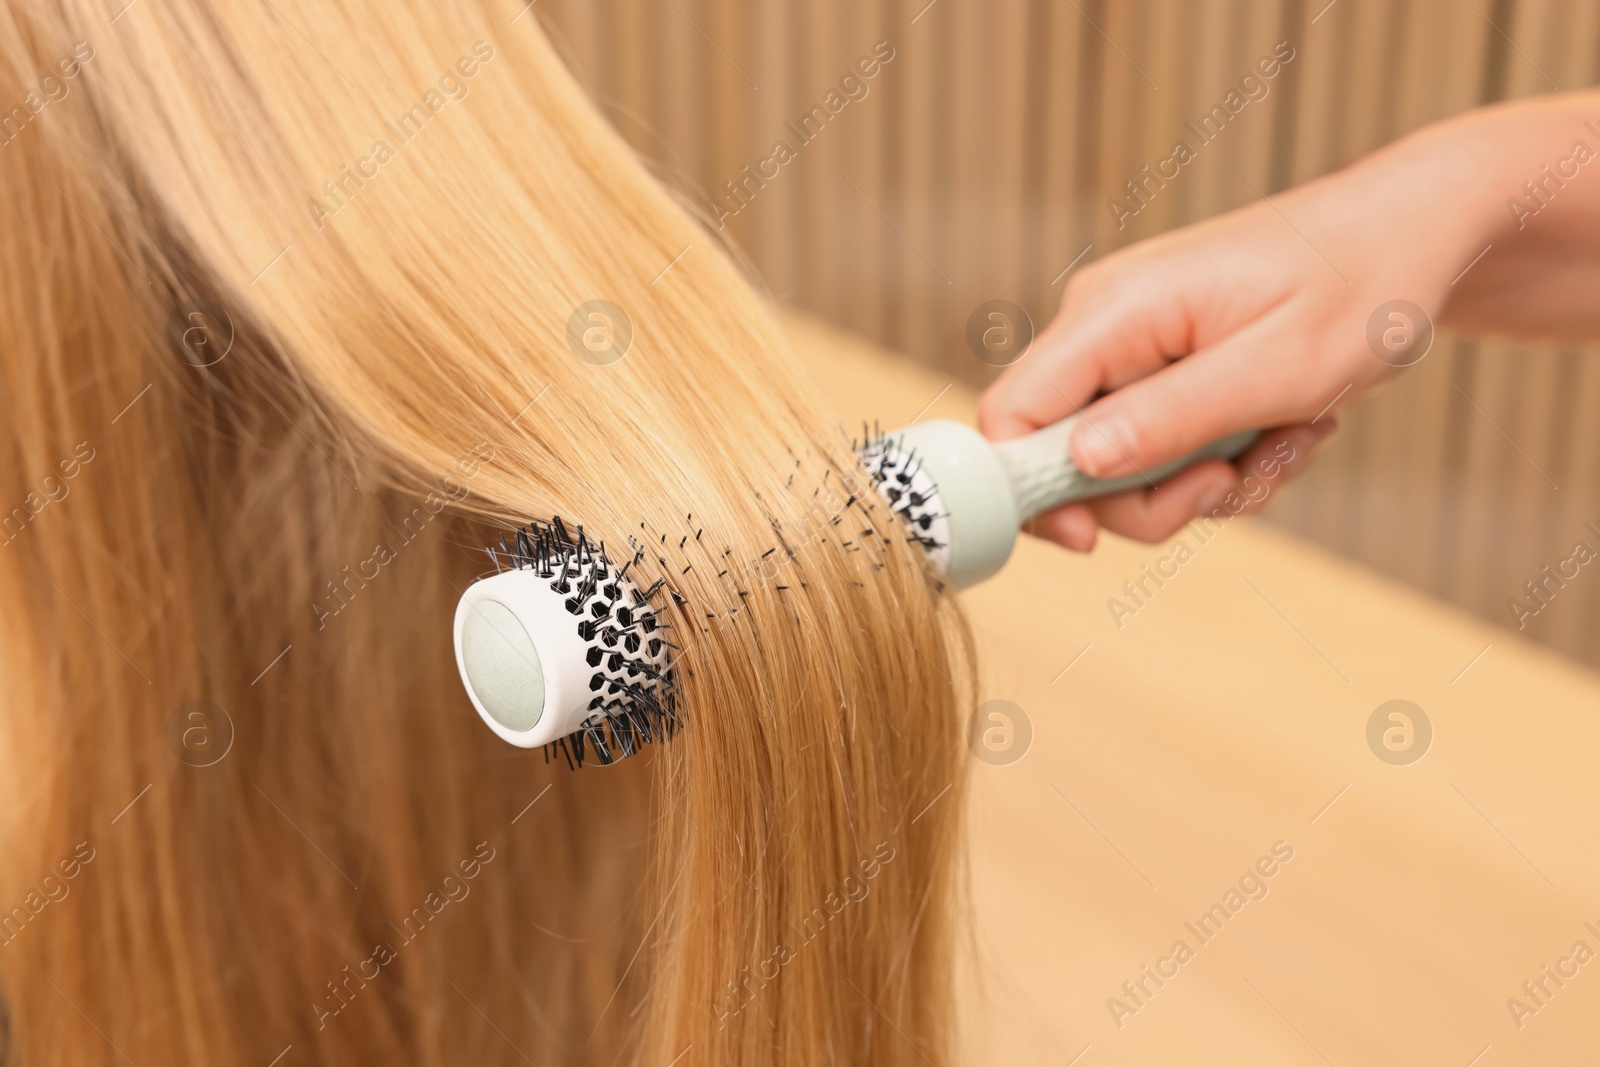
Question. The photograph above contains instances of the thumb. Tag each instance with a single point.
(1106, 335)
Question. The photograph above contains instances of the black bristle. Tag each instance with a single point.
(633, 699)
(893, 469)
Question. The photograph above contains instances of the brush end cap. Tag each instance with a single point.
(502, 623)
(501, 667)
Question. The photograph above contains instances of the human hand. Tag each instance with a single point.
(1255, 319)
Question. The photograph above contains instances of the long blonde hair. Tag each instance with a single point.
(284, 316)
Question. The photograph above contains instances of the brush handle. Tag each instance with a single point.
(967, 497)
(1043, 475)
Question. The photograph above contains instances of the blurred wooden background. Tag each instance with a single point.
(979, 165)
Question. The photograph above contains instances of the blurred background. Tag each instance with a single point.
(981, 160)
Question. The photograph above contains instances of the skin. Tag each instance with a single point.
(1258, 318)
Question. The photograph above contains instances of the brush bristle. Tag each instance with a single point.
(898, 475)
(625, 640)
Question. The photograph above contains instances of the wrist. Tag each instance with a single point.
(1497, 166)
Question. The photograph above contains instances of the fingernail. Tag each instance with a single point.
(1304, 440)
(1212, 499)
(1101, 448)
(1079, 532)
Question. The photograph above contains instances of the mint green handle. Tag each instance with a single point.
(1043, 475)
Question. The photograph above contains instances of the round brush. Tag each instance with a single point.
(560, 648)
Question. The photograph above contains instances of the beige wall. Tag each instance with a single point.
(981, 161)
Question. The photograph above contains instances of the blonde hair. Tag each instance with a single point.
(380, 219)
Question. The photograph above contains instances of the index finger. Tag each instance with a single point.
(1100, 341)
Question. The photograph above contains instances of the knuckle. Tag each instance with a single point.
(1090, 278)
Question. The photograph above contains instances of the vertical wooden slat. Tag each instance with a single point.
(1169, 29)
(1204, 179)
(1294, 20)
(1491, 463)
(1583, 44)
(1534, 497)
(1121, 95)
(1530, 70)
(923, 69)
(978, 161)
(728, 102)
(830, 197)
(892, 89)
(1090, 60)
(1002, 200)
(1063, 234)
(1260, 27)
(772, 221)
(1455, 429)
(1575, 628)
(1319, 64)
(1033, 271)
(864, 135)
